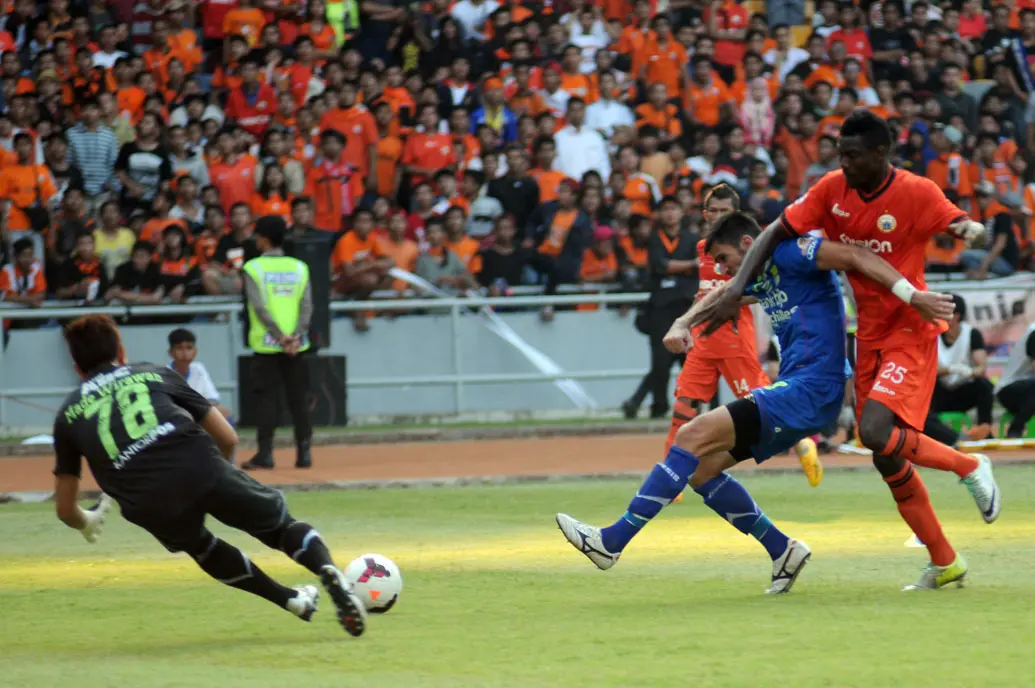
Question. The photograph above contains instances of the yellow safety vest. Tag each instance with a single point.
(282, 281)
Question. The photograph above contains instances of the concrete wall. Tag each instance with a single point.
(405, 366)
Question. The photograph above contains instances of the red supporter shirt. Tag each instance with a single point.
(731, 17)
(252, 114)
(236, 183)
(725, 339)
(895, 223)
(857, 45)
(213, 13)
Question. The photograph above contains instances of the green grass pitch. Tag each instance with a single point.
(495, 597)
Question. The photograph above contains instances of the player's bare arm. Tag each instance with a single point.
(843, 257)
(726, 307)
(216, 425)
(679, 340)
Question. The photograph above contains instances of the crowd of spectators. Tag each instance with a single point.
(475, 143)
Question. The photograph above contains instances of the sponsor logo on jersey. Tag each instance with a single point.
(872, 244)
(808, 246)
(887, 223)
(708, 285)
(881, 388)
(836, 210)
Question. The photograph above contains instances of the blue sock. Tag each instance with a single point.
(663, 485)
(728, 498)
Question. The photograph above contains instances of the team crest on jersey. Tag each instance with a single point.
(887, 223)
(808, 246)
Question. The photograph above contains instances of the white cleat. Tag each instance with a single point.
(586, 539)
(914, 541)
(303, 604)
(983, 488)
(787, 567)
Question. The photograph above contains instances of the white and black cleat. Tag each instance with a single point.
(983, 488)
(787, 566)
(304, 603)
(586, 539)
(352, 615)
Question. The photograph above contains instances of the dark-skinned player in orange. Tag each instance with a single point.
(730, 353)
(893, 213)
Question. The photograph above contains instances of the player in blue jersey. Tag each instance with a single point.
(800, 293)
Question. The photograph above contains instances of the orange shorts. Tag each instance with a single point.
(901, 376)
(699, 378)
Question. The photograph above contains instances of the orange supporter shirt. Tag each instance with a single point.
(466, 249)
(352, 248)
(429, 152)
(153, 228)
(642, 193)
(896, 223)
(594, 267)
(633, 39)
(324, 39)
(731, 17)
(205, 247)
(636, 255)
(666, 119)
(705, 102)
(951, 171)
(131, 100)
(236, 183)
(831, 125)
(403, 253)
(825, 73)
(246, 22)
(13, 280)
(662, 64)
(275, 205)
(360, 130)
(389, 153)
(560, 227)
(578, 86)
(548, 181)
(530, 103)
(24, 185)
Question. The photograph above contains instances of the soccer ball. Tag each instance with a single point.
(376, 580)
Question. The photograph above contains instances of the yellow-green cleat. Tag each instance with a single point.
(934, 577)
(808, 456)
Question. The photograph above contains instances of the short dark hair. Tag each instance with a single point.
(181, 335)
(272, 228)
(23, 244)
(723, 191)
(961, 306)
(145, 246)
(93, 341)
(730, 228)
(873, 130)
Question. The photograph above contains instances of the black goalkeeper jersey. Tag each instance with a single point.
(137, 426)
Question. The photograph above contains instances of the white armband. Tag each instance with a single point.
(903, 290)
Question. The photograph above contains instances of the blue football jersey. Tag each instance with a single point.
(807, 310)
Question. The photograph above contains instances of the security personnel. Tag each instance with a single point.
(280, 305)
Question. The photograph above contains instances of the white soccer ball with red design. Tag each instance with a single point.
(376, 580)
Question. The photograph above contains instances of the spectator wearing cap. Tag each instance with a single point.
(950, 170)
(580, 148)
(1002, 257)
(494, 113)
(962, 382)
(558, 234)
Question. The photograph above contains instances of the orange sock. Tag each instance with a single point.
(914, 504)
(908, 444)
(682, 414)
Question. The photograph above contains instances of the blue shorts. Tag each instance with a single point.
(793, 409)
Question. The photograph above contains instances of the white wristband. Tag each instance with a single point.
(903, 290)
